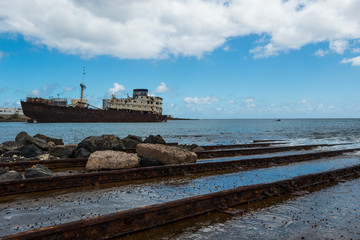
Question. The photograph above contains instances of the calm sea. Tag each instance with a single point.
(202, 132)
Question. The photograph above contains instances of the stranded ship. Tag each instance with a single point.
(138, 108)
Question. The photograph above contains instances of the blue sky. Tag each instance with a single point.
(207, 59)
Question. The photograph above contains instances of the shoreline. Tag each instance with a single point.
(13, 118)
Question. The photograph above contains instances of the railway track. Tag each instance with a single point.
(133, 220)
(97, 178)
(71, 163)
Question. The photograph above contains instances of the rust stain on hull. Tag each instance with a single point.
(125, 222)
(94, 179)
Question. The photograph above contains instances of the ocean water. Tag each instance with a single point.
(202, 132)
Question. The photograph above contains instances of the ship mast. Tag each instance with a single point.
(82, 89)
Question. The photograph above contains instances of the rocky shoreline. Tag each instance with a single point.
(105, 152)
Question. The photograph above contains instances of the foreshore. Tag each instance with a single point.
(13, 118)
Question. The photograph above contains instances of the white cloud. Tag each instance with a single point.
(250, 103)
(162, 88)
(302, 101)
(231, 101)
(155, 29)
(339, 46)
(265, 51)
(43, 92)
(68, 89)
(117, 89)
(204, 100)
(35, 93)
(355, 61)
(320, 53)
(1, 54)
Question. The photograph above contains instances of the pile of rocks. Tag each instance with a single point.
(41, 147)
(35, 171)
(26, 147)
(104, 152)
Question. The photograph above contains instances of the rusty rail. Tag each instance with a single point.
(233, 146)
(133, 220)
(64, 163)
(253, 151)
(69, 163)
(96, 178)
(267, 140)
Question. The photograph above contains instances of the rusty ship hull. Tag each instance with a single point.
(45, 113)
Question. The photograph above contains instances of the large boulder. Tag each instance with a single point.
(31, 150)
(166, 154)
(37, 171)
(110, 159)
(62, 151)
(22, 137)
(155, 139)
(25, 139)
(10, 176)
(57, 141)
(104, 142)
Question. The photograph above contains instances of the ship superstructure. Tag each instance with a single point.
(140, 102)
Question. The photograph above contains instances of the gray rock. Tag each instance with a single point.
(149, 162)
(130, 143)
(136, 138)
(62, 151)
(104, 142)
(155, 139)
(26, 139)
(11, 145)
(37, 171)
(31, 150)
(57, 141)
(2, 171)
(110, 159)
(10, 176)
(166, 154)
(81, 152)
(6, 159)
(2, 150)
(38, 142)
(22, 137)
(12, 153)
